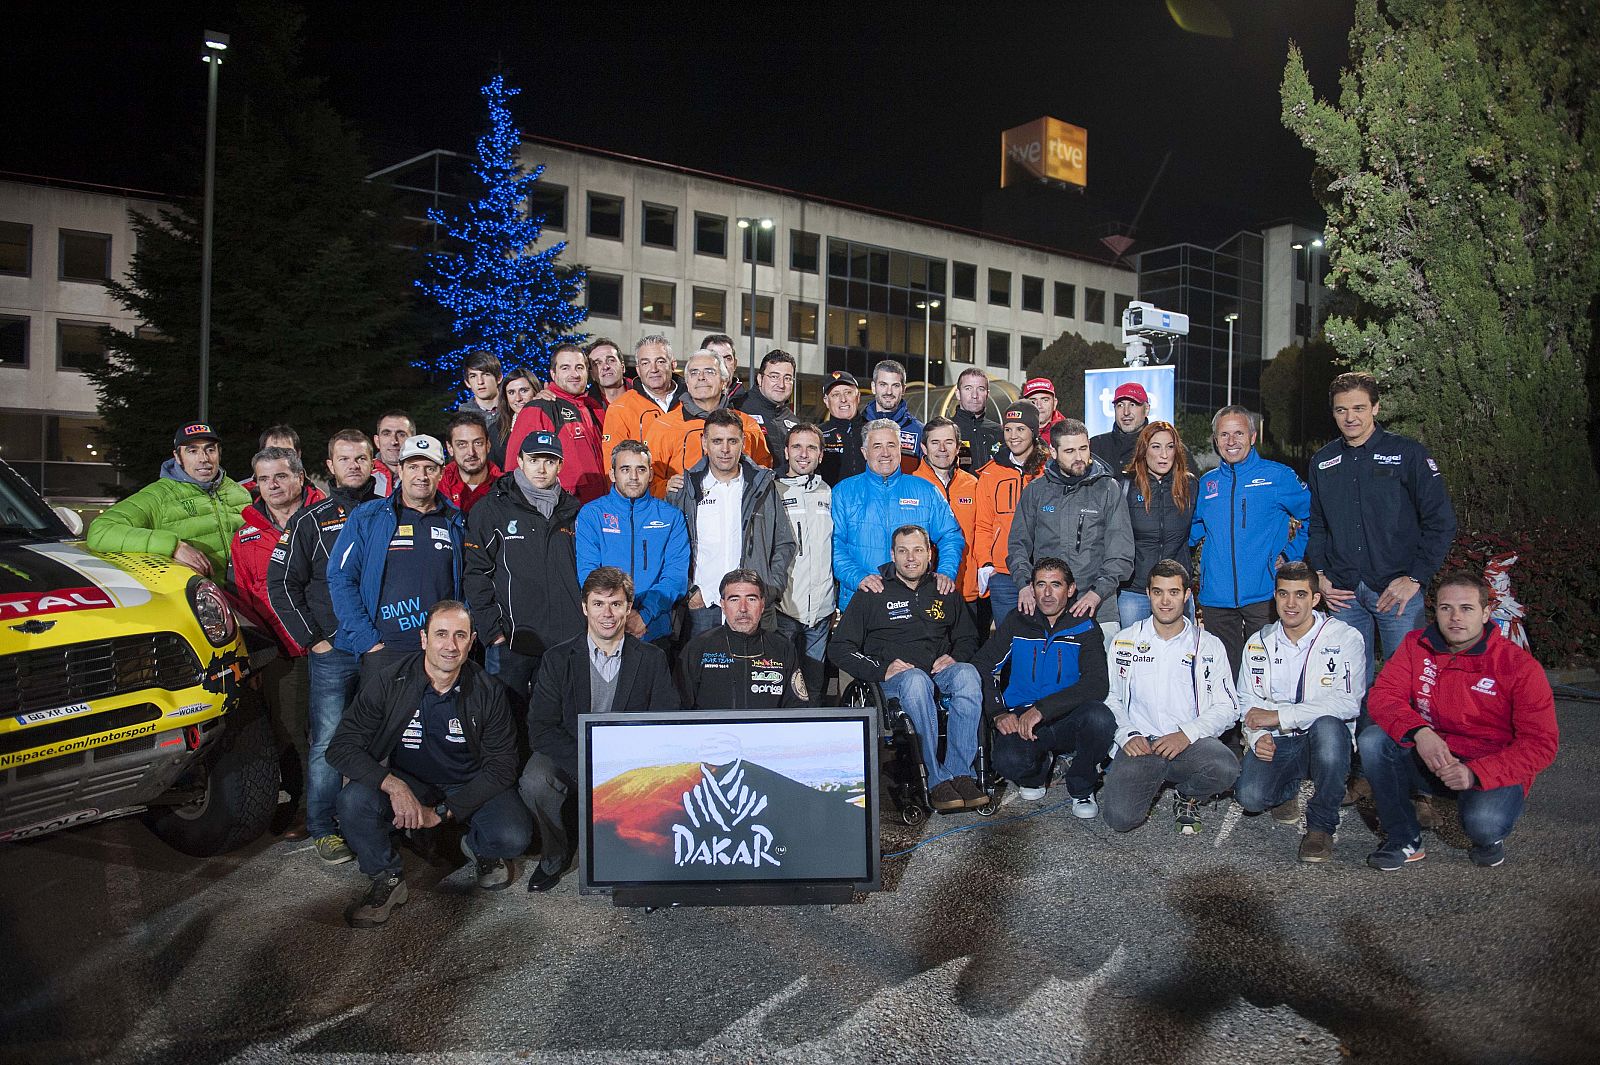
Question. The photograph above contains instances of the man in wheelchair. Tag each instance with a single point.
(1047, 678)
(911, 639)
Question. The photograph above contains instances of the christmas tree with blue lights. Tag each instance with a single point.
(505, 297)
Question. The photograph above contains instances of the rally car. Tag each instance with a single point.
(125, 688)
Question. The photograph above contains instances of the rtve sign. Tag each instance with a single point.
(1045, 149)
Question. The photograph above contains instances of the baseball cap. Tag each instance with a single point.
(840, 377)
(542, 443)
(1026, 413)
(422, 447)
(1134, 392)
(188, 434)
(1038, 384)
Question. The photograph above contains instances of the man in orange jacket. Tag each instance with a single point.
(1020, 459)
(940, 466)
(655, 391)
(674, 438)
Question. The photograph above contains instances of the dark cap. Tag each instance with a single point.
(1023, 412)
(542, 442)
(194, 431)
(840, 377)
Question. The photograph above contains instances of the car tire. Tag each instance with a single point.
(241, 790)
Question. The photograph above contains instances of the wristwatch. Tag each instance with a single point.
(443, 812)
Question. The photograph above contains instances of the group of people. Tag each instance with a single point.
(602, 543)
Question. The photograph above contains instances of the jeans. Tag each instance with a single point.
(963, 699)
(1002, 596)
(1234, 625)
(1134, 606)
(1085, 732)
(703, 620)
(333, 676)
(1322, 753)
(516, 672)
(375, 663)
(1362, 615)
(500, 828)
(1205, 768)
(547, 789)
(812, 643)
(1395, 772)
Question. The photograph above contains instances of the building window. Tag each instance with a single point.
(710, 235)
(13, 341)
(150, 332)
(551, 202)
(1029, 348)
(1033, 293)
(657, 300)
(605, 295)
(80, 345)
(963, 338)
(999, 349)
(963, 281)
(1094, 305)
(802, 322)
(85, 256)
(710, 309)
(762, 240)
(804, 251)
(1066, 300)
(1119, 303)
(1000, 288)
(763, 315)
(605, 216)
(16, 249)
(659, 225)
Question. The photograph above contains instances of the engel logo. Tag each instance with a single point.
(57, 602)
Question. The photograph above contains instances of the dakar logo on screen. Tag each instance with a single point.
(721, 810)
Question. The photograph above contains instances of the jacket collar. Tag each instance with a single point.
(1434, 640)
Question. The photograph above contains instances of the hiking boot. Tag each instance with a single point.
(1396, 853)
(972, 796)
(1360, 788)
(1316, 846)
(1489, 855)
(493, 874)
(388, 891)
(1085, 809)
(1186, 812)
(1286, 813)
(944, 797)
(1427, 817)
(332, 849)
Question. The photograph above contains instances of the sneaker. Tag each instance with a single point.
(972, 796)
(1186, 812)
(1316, 846)
(1030, 794)
(1427, 816)
(1489, 855)
(493, 874)
(1287, 813)
(944, 797)
(1086, 808)
(332, 849)
(1395, 854)
(388, 891)
(1360, 788)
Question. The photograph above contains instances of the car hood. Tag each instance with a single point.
(55, 578)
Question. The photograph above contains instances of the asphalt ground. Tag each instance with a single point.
(1041, 938)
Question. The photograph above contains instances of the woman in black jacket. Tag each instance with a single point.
(1160, 492)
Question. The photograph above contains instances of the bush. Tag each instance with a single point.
(1556, 579)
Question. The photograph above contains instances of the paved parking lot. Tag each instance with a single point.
(1039, 939)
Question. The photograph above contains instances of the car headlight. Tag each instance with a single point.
(211, 609)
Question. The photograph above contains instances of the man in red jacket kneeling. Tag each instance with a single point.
(1458, 708)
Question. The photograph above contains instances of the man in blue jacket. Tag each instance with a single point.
(1381, 520)
(644, 537)
(1243, 515)
(394, 559)
(888, 402)
(870, 506)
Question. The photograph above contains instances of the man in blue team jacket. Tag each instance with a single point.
(1243, 515)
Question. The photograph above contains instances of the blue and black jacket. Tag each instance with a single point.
(1243, 514)
(1055, 667)
(646, 538)
(355, 568)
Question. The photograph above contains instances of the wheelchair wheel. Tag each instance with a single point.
(990, 810)
(912, 814)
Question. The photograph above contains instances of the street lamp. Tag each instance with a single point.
(1230, 318)
(746, 224)
(216, 43)
(1306, 336)
(926, 307)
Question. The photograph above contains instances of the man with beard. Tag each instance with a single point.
(656, 390)
(469, 475)
(574, 416)
(608, 375)
(737, 666)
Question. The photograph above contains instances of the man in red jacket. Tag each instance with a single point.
(470, 473)
(1461, 707)
(575, 417)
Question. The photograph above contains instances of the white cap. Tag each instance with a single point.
(423, 446)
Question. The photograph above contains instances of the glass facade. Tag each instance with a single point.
(872, 311)
(1207, 284)
(59, 454)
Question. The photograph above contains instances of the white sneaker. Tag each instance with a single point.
(1030, 794)
(1085, 808)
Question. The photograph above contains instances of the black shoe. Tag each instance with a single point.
(543, 880)
(387, 892)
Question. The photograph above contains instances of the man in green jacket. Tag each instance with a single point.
(190, 513)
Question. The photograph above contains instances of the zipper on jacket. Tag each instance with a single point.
(1233, 538)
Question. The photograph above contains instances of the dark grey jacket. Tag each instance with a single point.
(769, 545)
(1085, 524)
(561, 693)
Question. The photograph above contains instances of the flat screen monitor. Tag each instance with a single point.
(727, 798)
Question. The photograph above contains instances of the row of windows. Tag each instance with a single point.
(80, 256)
(79, 345)
(658, 303)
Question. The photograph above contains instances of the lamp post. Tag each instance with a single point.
(1305, 337)
(926, 307)
(1230, 318)
(748, 224)
(216, 43)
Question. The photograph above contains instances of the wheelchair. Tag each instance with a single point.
(906, 776)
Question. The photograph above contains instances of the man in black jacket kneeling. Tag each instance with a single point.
(604, 671)
(429, 741)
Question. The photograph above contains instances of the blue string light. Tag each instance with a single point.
(505, 297)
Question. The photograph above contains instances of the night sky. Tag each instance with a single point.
(898, 107)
